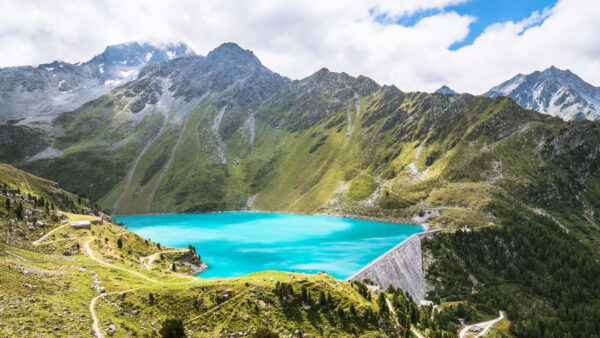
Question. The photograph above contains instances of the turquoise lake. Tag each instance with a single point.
(238, 243)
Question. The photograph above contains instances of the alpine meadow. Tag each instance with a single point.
(157, 191)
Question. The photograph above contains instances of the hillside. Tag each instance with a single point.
(229, 134)
(46, 276)
(223, 132)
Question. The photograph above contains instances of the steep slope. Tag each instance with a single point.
(223, 132)
(553, 91)
(47, 268)
(29, 94)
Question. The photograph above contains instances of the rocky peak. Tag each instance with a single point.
(552, 91)
(230, 52)
(136, 53)
(445, 90)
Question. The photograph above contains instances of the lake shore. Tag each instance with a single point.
(403, 221)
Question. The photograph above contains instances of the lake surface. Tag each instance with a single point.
(238, 243)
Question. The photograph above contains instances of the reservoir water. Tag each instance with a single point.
(238, 243)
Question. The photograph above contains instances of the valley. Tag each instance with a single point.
(511, 193)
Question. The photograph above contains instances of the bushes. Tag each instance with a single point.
(172, 328)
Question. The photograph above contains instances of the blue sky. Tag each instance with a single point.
(485, 12)
(413, 44)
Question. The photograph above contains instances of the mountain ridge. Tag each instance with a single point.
(37, 94)
(554, 92)
(222, 132)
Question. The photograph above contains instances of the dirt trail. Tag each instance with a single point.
(135, 273)
(39, 241)
(152, 257)
(19, 257)
(95, 326)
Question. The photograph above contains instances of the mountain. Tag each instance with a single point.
(37, 94)
(445, 90)
(223, 132)
(553, 91)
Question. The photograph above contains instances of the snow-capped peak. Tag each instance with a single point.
(553, 91)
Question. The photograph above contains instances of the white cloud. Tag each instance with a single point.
(297, 37)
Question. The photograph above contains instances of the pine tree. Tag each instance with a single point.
(19, 210)
(7, 204)
(322, 299)
(119, 243)
(382, 305)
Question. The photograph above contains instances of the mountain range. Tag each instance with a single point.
(192, 133)
(38, 94)
(554, 92)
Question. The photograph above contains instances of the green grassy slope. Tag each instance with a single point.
(56, 281)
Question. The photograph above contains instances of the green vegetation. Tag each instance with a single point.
(524, 186)
(528, 266)
(46, 277)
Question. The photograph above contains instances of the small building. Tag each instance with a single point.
(97, 222)
(426, 303)
(78, 225)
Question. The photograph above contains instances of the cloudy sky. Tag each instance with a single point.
(469, 45)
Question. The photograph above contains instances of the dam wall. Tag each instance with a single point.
(401, 266)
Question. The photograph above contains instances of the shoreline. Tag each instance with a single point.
(424, 226)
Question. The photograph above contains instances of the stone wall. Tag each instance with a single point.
(401, 266)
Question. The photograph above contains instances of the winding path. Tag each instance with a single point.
(484, 325)
(39, 241)
(19, 257)
(135, 273)
(95, 326)
(152, 257)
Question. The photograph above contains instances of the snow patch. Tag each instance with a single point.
(112, 82)
(128, 73)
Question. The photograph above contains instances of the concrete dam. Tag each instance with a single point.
(401, 266)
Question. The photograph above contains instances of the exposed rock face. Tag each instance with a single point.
(401, 266)
(40, 93)
(445, 90)
(553, 91)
